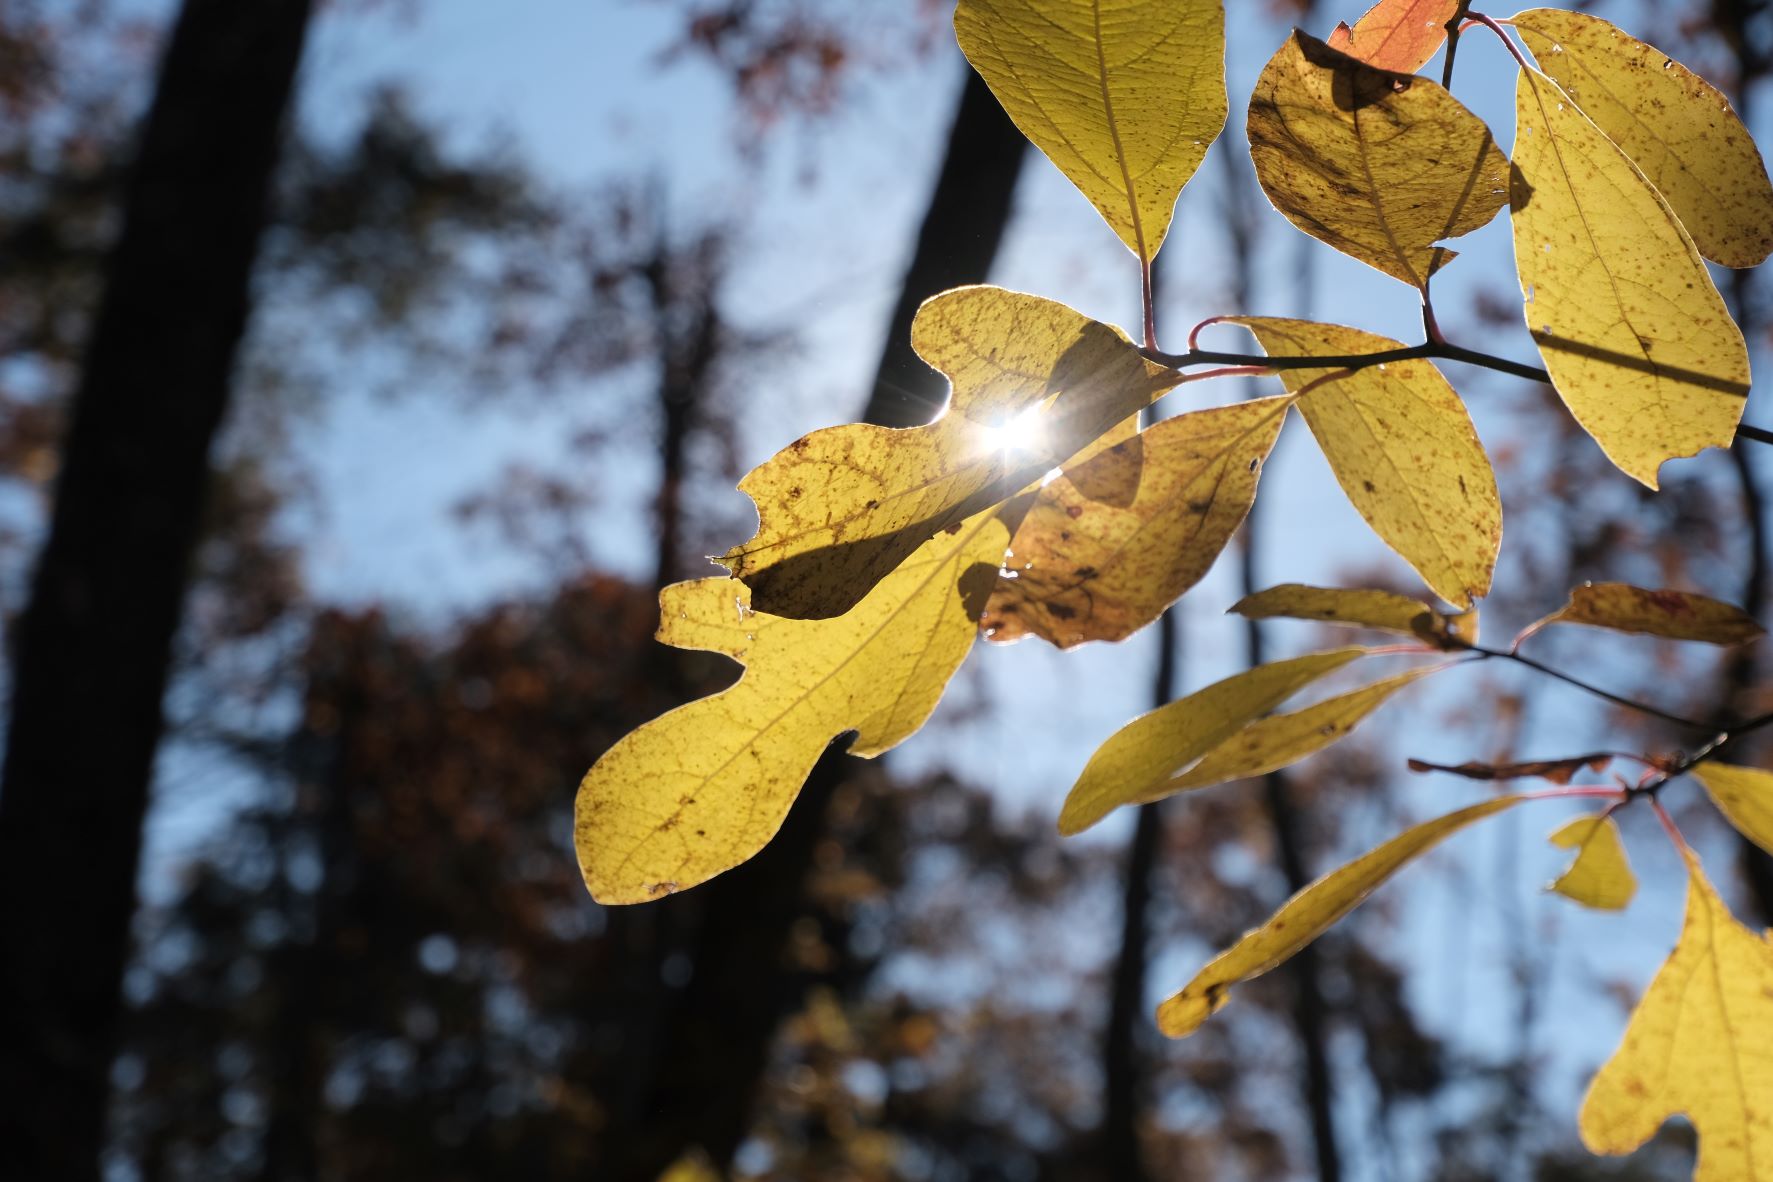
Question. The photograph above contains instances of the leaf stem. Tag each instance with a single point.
(1148, 300)
(1495, 27)
(1597, 691)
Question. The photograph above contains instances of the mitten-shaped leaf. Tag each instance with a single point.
(1109, 545)
(1600, 877)
(1403, 449)
(1123, 95)
(1033, 383)
(1677, 127)
(1306, 916)
(1378, 166)
(1700, 1043)
(1398, 35)
(1634, 333)
(1673, 615)
(1745, 796)
(701, 789)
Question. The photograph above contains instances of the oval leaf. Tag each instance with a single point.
(1384, 611)
(1637, 340)
(1124, 98)
(1143, 755)
(1700, 1043)
(1600, 877)
(1033, 383)
(1403, 449)
(1379, 167)
(1677, 127)
(1307, 915)
(1744, 795)
(702, 788)
(1673, 615)
(1398, 35)
(1117, 539)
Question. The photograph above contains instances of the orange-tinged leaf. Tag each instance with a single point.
(1744, 795)
(1034, 382)
(1144, 754)
(1124, 96)
(1118, 538)
(1404, 450)
(1700, 1043)
(1307, 915)
(1677, 127)
(1672, 615)
(1600, 877)
(1398, 35)
(1637, 340)
(1558, 771)
(1380, 167)
(702, 788)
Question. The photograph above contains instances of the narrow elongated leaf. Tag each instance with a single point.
(1143, 755)
(1677, 127)
(701, 789)
(1558, 771)
(1744, 795)
(1600, 877)
(1269, 744)
(1306, 916)
(1637, 340)
(1673, 615)
(1700, 1043)
(1117, 539)
(1385, 611)
(1123, 95)
(1033, 383)
(1403, 449)
(1397, 35)
(1379, 167)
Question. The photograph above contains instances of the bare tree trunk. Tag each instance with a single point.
(93, 647)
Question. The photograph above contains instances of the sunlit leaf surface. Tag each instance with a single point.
(1397, 35)
(1673, 615)
(1744, 795)
(1600, 877)
(1384, 611)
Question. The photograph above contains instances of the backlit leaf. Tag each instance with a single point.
(1744, 795)
(1033, 383)
(1558, 771)
(1398, 35)
(1385, 611)
(1673, 615)
(1700, 1043)
(1146, 753)
(1284, 739)
(1600, 877)
(1306, 916)
(1123, 95)
(1677, 127)
(1117, 539)
(701, 789)
(1403, 449)
(1380, 167)
(1636, 338)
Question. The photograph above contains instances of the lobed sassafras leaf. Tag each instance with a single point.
(1404, 450)
(1672, 615)
(1600, 877)
(843, 507)
(1398, 35)
(1677, 127)
(1106, 547)
(1307, 915)
(1636, 338)
(1380, 167)
(702, 788)
(1700, 1043)
(1124, 96)
(1744, 795)
(1384, 611)
(1145, 754)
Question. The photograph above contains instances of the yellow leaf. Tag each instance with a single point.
(1144, 754)
(1033, 383)
(1700, 1043)
(1744, 795)
(693, 1166)
(1600, 877)
(1284, 739)
(1381, 610)
(1117, 539)
(1677, 127)
(1123, 95)
(1306, 916)
(1380, 167)
(1673, 615)
(702, 788)
(1637, 340)
(1398, 35)
(1403, 449)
